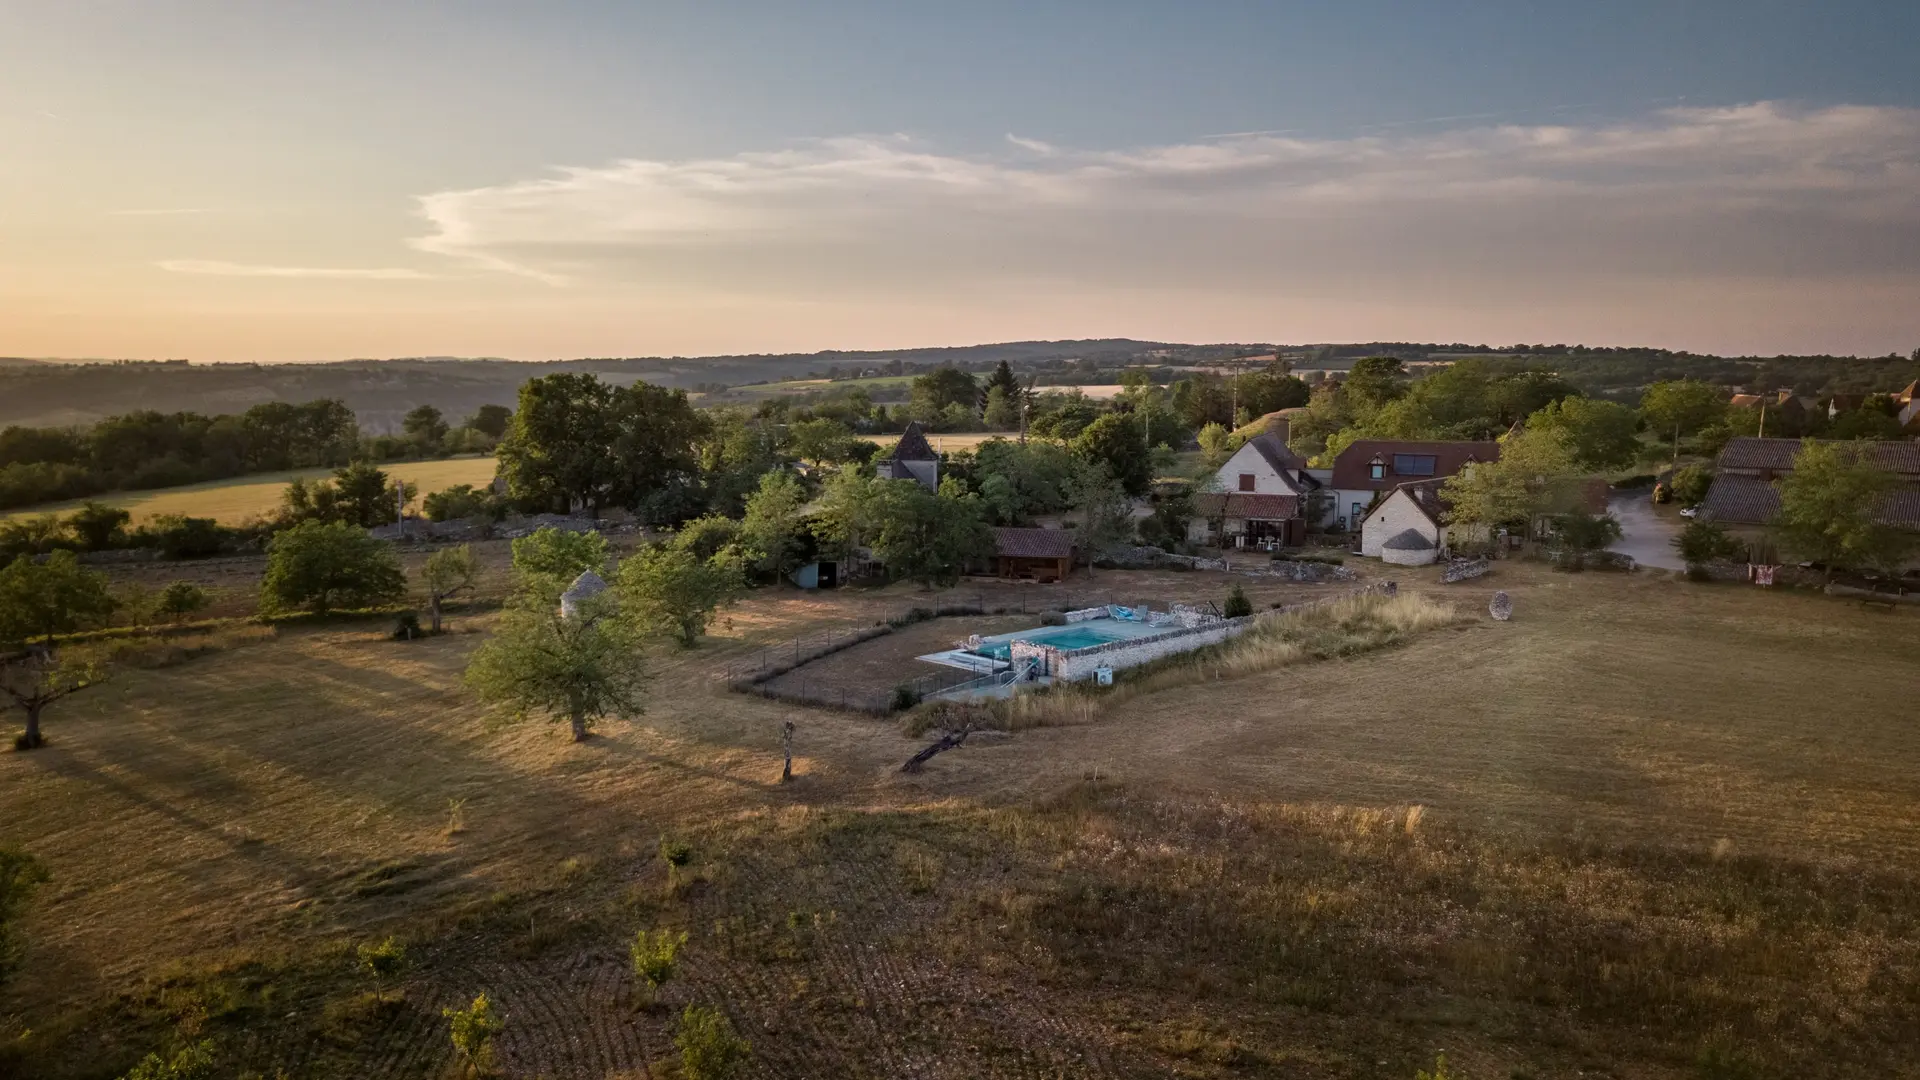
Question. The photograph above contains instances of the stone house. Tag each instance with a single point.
(1259, 496)
(1368, 470)
(1407, 527)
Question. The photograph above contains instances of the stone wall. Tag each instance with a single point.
(1084, 614)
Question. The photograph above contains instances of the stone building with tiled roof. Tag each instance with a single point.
(912, 458)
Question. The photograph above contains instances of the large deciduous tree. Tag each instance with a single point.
(926, 537)
(581, 668)
(1535, 475)
(671, 590)
(1602, 434)
(1681, 407)
(325, 565)
(774, 530)
(1118, 441)
(38, 602)
(578, 440)
(547, 560)
(1833, 506)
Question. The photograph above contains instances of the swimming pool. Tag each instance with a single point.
(1063, 637)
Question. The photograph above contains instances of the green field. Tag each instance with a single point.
(238, 498)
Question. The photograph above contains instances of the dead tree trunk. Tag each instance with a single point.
(433, 611)
(946, 742)
(786, 746)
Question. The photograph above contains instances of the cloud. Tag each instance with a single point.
(1762, 190)
(228, 269)
(169, 211)
(1034, 145)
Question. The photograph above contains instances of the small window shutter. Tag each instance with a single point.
(1246, 481)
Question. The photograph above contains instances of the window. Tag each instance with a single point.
(1246, 481)
(1414, 464)
(1377, 469)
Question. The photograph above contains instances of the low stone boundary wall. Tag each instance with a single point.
(1084, 614)
(1466, 569)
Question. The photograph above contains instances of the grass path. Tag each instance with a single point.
(238, 498)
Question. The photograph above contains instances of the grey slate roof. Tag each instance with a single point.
(1776, 455)
(1033, 543)
(1409, 540)
(1748, 500)
(913, 445)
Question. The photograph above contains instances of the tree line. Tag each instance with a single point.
(144, 450)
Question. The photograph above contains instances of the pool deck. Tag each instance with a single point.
(1110, 629)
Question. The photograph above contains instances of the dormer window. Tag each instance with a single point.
(1377, 469)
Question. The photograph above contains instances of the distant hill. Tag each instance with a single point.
(48, 393)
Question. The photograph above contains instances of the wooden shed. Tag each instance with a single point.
(1033, 554)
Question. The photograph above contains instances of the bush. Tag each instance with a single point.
(676, 852)
(182, 598)
(463, 502)
(1238, 606)
(98, 526)
(406, 627)
(323, 566)
(189, 1063)
(904, 698)
(709, 1048)
(35, 535)
(1703, 542)
(1691, 483)
(654, 957)
(383, 960)
(472, 1030)
(180, 537)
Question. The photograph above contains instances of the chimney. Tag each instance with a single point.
(1279, 427)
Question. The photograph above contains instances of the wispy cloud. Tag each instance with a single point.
(228, 269)
(1755, 191)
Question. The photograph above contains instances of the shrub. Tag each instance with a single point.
(1703, 542)
(463, 502)
(1439, 1072)
(676, 852)
(472, 1030)
(654, 958)
(384, 959)
(904, 698)
(1691, 483)
(180, 537)
(181, 598)
(1238, 606)
(406, 626)
(35, 535)
(20, 874)
(709, 1048)
(189, 1063)
(98, 526)
(327, 565)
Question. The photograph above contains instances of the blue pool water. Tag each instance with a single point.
(1066, 637)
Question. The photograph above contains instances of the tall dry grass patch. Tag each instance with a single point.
(1346, 627)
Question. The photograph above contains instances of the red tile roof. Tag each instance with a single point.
(1247, 507)
(1351, 473)
(1033, 543)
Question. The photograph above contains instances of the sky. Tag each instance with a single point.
(290, 182)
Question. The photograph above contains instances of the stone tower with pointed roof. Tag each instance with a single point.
(912, 459)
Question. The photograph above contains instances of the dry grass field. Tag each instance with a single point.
(235, 500)
(1646, 829)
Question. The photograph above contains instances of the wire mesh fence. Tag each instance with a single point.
(753, 672)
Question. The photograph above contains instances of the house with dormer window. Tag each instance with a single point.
(1369, 469)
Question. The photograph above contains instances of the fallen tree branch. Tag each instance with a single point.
(946, 742)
